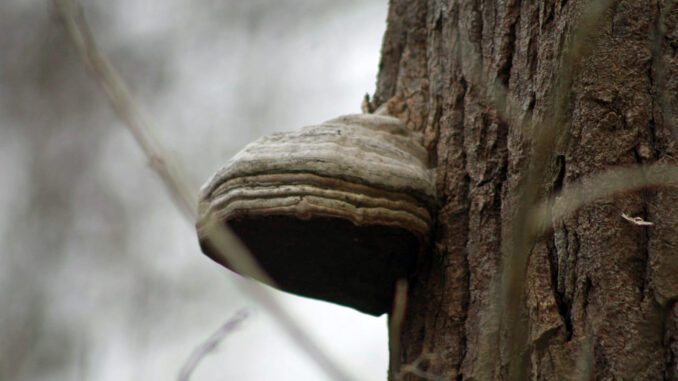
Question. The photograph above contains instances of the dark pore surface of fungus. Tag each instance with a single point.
(338, 211)
(330, 259)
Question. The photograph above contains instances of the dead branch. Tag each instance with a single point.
(223, 239)
(211, 344)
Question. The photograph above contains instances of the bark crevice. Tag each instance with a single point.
(576, 87)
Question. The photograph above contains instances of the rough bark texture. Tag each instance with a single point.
(513, 94)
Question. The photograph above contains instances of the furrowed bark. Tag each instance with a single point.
(517, 100)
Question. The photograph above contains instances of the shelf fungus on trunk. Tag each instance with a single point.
(338, 211)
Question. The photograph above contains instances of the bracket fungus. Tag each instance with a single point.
(338, 211)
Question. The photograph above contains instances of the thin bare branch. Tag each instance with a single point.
(415, 367)
(211, 344)
(599, 186)
(521, 236)
(395, 325)
(636, 220)
(223, 239)
(583, 367)
(119, 95)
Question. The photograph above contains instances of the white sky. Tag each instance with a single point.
(228, 72)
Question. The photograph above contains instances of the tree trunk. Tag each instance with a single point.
(518, 100)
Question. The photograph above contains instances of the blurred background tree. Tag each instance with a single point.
(100, 277)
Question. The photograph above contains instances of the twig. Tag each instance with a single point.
(413, 368)
(210, 345)
(583, 368)
(636, 220)
(395, 325)
(599, 186)
(226, 243)
(119, 95)
(518, 245)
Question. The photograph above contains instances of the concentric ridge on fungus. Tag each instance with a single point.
(366, 169)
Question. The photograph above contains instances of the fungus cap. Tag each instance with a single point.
(338, 211)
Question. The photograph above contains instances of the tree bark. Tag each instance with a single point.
(518, 100)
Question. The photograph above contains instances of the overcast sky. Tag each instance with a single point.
(100, 276)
